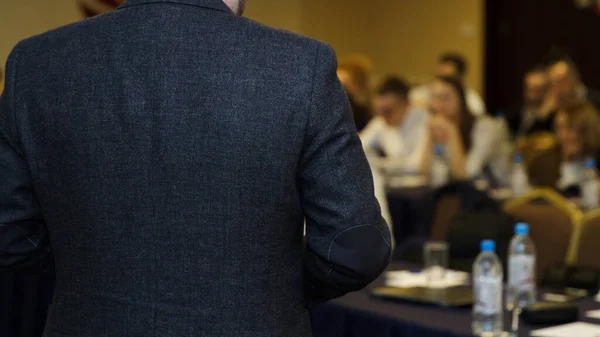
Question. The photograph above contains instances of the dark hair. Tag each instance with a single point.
(466, 117)
(394, 85)
(459, 61)
(538, 68)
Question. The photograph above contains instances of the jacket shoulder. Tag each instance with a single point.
(283, 38)
(64, 34)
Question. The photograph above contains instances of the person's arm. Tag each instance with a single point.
(427, 158)
(23, 236)
(475, 103)
(456, 155)
(418, 145)
(445, 132)
(347, 240)
(484, 146)
(369, 136)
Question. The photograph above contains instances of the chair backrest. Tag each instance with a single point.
(543, 168)
(552, 222)
(542, 158)
(446, 208)
(532, 145)
(588, 247)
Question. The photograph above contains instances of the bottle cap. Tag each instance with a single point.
(438, 150)
(488, 246)
(518, 158)
(522, 228)
(590, 163)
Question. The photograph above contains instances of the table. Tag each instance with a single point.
(358, 315)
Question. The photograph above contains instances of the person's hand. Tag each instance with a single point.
(441, 129)
(570, 150)
(549, 105)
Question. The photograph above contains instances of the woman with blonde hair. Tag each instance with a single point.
(578, 133)
(354, 72)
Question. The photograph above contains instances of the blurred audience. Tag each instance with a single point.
(473, 146)
(566, 86)
(534, 115)
(578, 133)
(450, 65)
(399, 130)
(354, 72)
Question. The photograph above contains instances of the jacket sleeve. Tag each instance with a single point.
(347, 240)
(23, 236)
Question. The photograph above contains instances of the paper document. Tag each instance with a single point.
(593, 314)
(407, 279)
(577, 329)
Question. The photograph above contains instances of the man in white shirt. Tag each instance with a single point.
(450, 65)
(399, 131)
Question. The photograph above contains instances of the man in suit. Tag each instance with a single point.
(163, 158)
(535, 115)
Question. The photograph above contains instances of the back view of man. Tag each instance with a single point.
(164, 156)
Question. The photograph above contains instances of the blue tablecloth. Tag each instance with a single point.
(359, 315)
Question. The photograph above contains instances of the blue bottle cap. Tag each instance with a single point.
(438, 150)
(522, 228)
(590, 163)
(518, 158)
(488, 246)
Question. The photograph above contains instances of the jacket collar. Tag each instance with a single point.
(211, 4)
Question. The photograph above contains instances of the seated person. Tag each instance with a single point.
(470, 147)
(567, 87)
(534, 116)
(398, 131)
(578, 133)
(354, 73)
(450, 65)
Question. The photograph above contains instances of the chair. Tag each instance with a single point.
(446, 208)
(543, 169)
(542, 158)
(588, 247)
(532, 145)
(552, 221)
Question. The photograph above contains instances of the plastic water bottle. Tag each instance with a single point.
(439, 168)
(590, 185)
(487, 292)
(521, 269)
(519, 182)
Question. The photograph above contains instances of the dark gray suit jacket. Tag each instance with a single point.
(164, 156)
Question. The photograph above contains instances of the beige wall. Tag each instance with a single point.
(400, 36)
(404, 37)
(20, 19)
(412, 34)
(283, 14)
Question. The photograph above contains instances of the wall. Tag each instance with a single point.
(20, 19)
(283, 14)
(404, 37)
(410, 35)
(400, 36)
